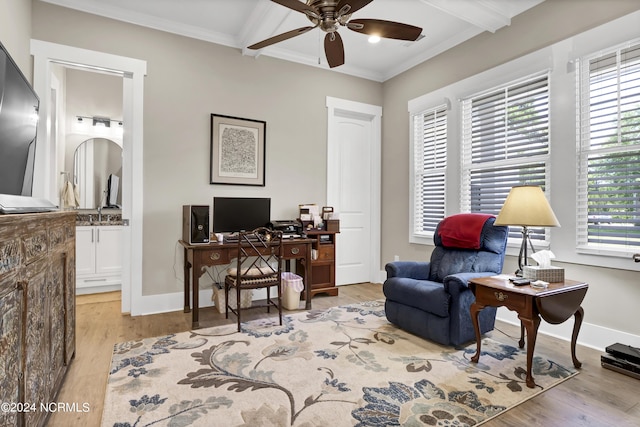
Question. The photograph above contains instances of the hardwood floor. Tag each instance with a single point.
(595, 397)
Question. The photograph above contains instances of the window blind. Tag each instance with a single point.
(430, 163)
(505, 142)
(609, 150)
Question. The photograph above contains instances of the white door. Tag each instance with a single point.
(353, 188)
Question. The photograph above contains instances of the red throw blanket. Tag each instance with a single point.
(463, 230)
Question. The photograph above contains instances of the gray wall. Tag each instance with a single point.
(15, 32)
(187, 81)
(611, 291)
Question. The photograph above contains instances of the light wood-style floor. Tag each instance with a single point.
(595, 397)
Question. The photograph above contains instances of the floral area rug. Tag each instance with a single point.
(346, 366)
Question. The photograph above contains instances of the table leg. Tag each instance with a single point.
(475, 312)
(531, 325)
(579, 314)
(187, 297)
(521, 342)
(307, 275)
(195, 281)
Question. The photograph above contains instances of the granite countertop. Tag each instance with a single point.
(90, 217)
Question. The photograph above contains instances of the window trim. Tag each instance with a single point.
(427, 236)
(583, 151)
(560, 58)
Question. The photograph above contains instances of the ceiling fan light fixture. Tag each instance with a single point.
(330, 15)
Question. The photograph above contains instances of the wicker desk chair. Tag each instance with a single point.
(259, 265)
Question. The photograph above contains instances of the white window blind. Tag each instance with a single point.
(430, 164)
(505, 142)
(609, 150)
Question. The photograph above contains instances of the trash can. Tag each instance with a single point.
(291, 287)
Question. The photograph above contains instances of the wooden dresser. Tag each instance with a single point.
(37, 312)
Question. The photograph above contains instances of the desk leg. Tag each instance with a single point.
(475, 312)
(195, 281)
(187, 297)
(531, 325)
(307, 274)
(579, 314)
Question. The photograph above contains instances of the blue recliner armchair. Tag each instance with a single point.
(432, 299)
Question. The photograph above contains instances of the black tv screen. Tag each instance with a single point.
(233, 214)
(18, 124)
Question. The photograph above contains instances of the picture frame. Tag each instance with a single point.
(237, 151)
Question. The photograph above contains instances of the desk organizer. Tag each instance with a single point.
(547, 274)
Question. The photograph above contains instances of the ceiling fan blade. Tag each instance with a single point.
(386, 29)
(296, 5)
(334, 49)
(280, 37)
(354, 5)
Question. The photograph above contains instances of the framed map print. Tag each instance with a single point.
(237, 150)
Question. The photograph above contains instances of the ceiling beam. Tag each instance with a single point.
(265, 21)
(485, 14)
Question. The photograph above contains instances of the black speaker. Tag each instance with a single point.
(195, 224)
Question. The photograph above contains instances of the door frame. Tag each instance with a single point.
(337, 107)
(45, 54)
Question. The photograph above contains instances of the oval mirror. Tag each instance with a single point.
(96, 162)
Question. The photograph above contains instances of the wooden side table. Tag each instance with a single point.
(555, 305)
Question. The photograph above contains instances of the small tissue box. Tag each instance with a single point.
(548, 274)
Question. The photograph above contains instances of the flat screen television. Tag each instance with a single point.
(18, 127)
(233, 214)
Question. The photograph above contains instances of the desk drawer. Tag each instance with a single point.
(295, 251)
(496, 298)
(214, 256)
(326, 253)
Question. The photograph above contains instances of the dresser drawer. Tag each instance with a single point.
(496, 297)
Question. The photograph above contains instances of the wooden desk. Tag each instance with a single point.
(197, 257)
(555, 305)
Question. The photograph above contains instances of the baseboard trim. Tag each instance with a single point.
(593, 336)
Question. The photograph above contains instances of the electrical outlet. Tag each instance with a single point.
(396, 257)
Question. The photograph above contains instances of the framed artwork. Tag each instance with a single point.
(237, 150)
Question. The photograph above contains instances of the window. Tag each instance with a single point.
(505, 142)
(429, 166)
(609, 150)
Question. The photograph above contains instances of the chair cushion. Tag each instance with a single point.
(253, 271)
(422, 294)
(258, 281)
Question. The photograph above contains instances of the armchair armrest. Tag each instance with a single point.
(456, 283)
(418, 270)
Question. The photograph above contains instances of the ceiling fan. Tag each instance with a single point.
(329, 15)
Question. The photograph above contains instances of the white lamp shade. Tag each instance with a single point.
(526, 205)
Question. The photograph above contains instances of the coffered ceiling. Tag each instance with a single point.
(241, 23)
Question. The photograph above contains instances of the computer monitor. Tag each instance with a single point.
(233, 214)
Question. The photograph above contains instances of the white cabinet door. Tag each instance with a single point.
(109, 249)
(85, 250)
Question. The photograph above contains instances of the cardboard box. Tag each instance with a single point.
(549, 274)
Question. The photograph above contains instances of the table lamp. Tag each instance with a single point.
(526, 206)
